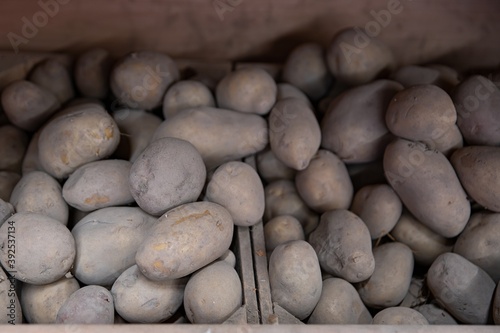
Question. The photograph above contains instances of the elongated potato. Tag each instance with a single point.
(10, 307)
(87, 305)
(399, 316)
(186, 95)
(92, 73)
(53, 76)
(13, 144)
(282, 229)
(270, 168)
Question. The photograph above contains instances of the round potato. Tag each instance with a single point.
(270, 168)
(10, 307)
(87, 305)
(92, 72)
(282, 229)
(13, 145)
(186, 95)
(399, 316)
(435, 315)
(53, 76)
(8, 181)
(286, 90)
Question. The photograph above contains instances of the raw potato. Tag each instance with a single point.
(325, 184)
(428, 186)
(354, 124)
(219, 135)
(379, 207)
(37, 192)
(462, 288)
(99, 184)
(399, 316)
(31, 161)
(355, 58)
(83, 134)
(50, 253)
(91, 73)
(391, 278)
(6, 211)
(87, 305)
(449, 77)
(435, 315)
(10, 307)
(184, 240)
(229, 258)
(343, 245)
(294, 133)
(412, 75)
(249, 90)
(425, 243)
(282, 229)
(53, 76)
(295, 278)
(186, 95)
(170, 172)
(139, 300)
(307, 70)
(237, 187)
(42, 303)
(286, 90)
(213, 294)
(339, 305)
(8, 181)
(271, 168)
(140, 79)
(13, 144)
(107, 241)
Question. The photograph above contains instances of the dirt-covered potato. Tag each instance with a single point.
(462, 288)
(286, 90)
(391, 278)
(379, 207)
(355, 58)
(49, 255)
(237, 187)
(30, 160)
(399, 316)
(307, 70)
(10, 307)
(435, 315)
(294, 133)
(219, 135)
(6, 211)
(354, 125)
(343, 245)
(53, 76)
(170, 172)
(87, 305)
(37, 192)
(185, 239)
(325, 184)
(92, 73)
(107, 241)
(140, 79)
(428, 186)
(295, 278)
(186, 95)
(139, 300)
(42, 303)
(13, 145)
(213, 294)
(99, 184)
(339, 305)
(250, 90)
(85, 133)
(8, 181)
(270, 168)
(282, 229)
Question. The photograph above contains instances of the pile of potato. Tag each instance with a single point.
(122, 181)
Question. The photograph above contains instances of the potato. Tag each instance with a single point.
(428, 186)
(249, 90)
(435, 315)
(282, 199)
(412, 75)
(496, 306)
(140, 79)
(8, 181)
(37, 192)
(186, 95)
(270, 168)
(379, 207)
(294, 133)
(99, 184)
(13, 144)
(339, 305)
(185, 239)
(84, 134)
(139, 300)
(391, 278)
(449, 77)
(477, 100)
(425, 244)
(354, 126)
(237, 187)
(10, 307)
(325, 184)
(87, 305)
(100, 259)
(462, 288)
(170, 172)
(6, 211)
(44, 260)
(399, 316)
(295, 278)
(271, 68)
(343, 245)
(91, 73)
(286, 90)
(229, 258)
(42, 303)
(355, 58)
(476, 167)
(53, 76)
(282, 229)
(479, 244)
(306, 68)
(219, 135)
(30, 160)
(213, 294)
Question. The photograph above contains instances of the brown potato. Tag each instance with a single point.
(13, 145)
(270, 168)
(282, 229)
(8, 181)
(399, 316)
(54, 76)
(412, 75)
(87, 305)
(10, 307)
(286, 90)
(92, 72)
(186, 95)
